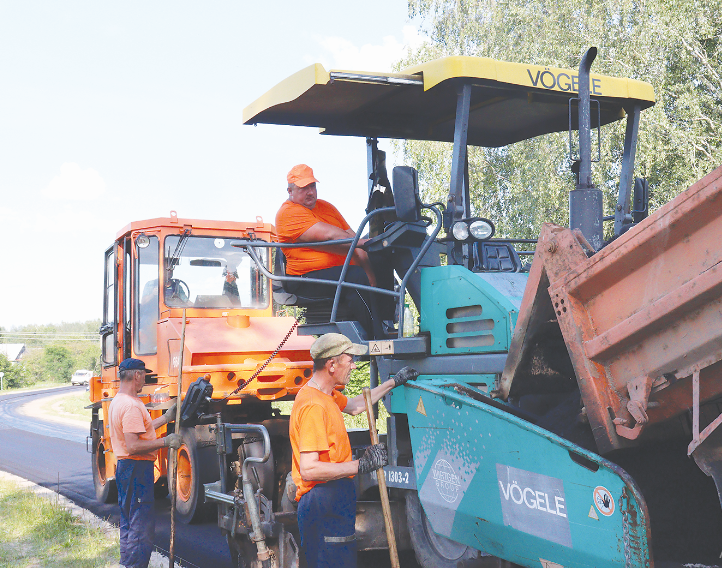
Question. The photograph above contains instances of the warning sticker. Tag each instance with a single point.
(381, 347)
(420, 407)
(603, 500)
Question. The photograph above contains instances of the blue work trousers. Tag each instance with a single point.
(134, 479)
(327, 523)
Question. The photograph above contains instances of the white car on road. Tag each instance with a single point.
(81, 377)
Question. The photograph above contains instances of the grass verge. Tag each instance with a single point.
(38, 532)
(75, 404)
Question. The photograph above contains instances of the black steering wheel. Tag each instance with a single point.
(179, 290)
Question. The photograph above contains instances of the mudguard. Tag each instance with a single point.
(498, 483)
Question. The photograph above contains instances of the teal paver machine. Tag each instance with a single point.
(480, 474)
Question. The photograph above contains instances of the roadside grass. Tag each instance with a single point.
(75, 404)
(39, 533)
(67, 406)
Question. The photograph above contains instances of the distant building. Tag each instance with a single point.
(13, 351)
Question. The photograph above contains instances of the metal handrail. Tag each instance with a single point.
(321, 281)
(349, 255)
(249, 245)
(427, 244)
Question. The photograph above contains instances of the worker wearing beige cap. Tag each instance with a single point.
(305, 218)
(322, 464)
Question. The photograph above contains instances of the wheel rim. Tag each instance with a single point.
(444, 547)
(100, 463)
(185, 474)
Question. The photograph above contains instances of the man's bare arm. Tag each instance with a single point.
(135, 445)
(357, 404)
(326, 232)
(313, 469)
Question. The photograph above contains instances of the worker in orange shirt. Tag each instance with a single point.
(135, 443)
(305, 218)
(322, 467)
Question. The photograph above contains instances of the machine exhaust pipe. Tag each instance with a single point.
(585, 201)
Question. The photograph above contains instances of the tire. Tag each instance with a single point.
(432, 550)
(196, 466)
(105, 489)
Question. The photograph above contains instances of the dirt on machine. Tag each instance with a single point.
(569, 399)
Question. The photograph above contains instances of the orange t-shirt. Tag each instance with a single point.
(292, 220)
(317, 426)
(128, 414)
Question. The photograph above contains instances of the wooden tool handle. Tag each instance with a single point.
(383, 492)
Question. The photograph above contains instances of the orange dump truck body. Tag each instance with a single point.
(641, 320)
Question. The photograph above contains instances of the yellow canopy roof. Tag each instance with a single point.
(509, 101)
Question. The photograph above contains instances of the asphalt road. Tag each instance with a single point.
(54, 455)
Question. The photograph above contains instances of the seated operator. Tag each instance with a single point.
(305, 218)
(230, 287)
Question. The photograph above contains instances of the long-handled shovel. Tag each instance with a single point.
(174, 453)
(385, 505)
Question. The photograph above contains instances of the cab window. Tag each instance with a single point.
(146, 311)
(207, 272)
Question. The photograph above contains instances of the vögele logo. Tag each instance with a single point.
(447, 482)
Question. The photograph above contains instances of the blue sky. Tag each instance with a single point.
(116, 111)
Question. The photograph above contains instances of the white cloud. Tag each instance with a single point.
(73, 182)
(342, 54)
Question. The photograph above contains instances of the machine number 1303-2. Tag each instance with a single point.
(399, 477)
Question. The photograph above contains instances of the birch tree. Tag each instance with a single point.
(672, 44)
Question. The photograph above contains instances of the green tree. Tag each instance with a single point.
(58, 364)
(15, 374)
(672, 44)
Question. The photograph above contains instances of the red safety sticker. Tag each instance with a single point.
(603, 500)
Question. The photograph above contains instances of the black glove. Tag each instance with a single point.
(374, 457)
(405, 374)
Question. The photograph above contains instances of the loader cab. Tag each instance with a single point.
(157, 268)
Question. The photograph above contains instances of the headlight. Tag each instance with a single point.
(473, 229)
(460, 231)
(480, 229)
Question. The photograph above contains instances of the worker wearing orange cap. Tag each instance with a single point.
(305, 218)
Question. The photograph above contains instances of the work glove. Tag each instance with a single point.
(405, 374)
(170, 413)
(374, 458)
(173, 441)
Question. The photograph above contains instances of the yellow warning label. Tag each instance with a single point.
(420, 407)
(593, 513)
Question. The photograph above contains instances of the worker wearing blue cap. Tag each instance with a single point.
(135, 444)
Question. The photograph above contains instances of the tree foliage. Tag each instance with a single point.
(57, 362)
(14, 375)
(50, 357)
(672, 44)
